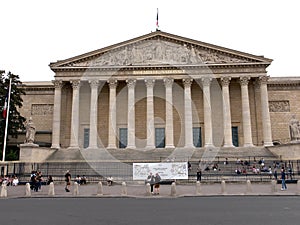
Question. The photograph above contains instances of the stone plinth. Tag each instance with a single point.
(30, 152)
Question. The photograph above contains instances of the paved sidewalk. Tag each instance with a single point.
(139, 191)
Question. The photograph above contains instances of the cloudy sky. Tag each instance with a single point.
(35, 33)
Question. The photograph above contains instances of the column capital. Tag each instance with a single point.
(244, 80)
(75, 84)
(187, 82)
(263, 80)
(112, 83)
(131, 83)
(206, 81)
(94, 83)
(168, 82)
(225, 81)
(149, 83)
(58, 84)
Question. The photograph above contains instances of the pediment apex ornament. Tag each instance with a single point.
(157, 52)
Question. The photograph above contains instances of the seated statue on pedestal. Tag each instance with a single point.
(30, 131)
(294, 129)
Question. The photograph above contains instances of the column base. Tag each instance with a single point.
(268, 144)
(209, 146)
(248, 145)
(131, 147)
(55, 146)
(92, 147)
(112, 147)
(189, 146)
(228, 146)
(150, 147)
(170, 146)
(73, 148)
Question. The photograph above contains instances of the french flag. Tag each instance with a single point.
(4, 113)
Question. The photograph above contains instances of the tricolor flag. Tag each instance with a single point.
(5, 108)
(157, 26)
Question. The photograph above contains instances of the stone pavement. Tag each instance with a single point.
(139, 191)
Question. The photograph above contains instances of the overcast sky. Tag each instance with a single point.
(35, 33)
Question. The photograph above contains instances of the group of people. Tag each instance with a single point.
(9, 180)
(36, 180)
(154, 181)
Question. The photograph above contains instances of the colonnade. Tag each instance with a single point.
(169, 129)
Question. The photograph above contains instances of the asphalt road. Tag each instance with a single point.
(223, 210)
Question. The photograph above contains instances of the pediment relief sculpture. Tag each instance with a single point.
(155, 52)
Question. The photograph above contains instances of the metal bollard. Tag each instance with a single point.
(148, 189)
(3, 191)
(27, 190)
(173, 189)
(223, 187)
(100, 189)
(76, 189)
(198, 188)
(273, 186)
(298, 188)
(124, 189)
(51, 191)
(248, 187)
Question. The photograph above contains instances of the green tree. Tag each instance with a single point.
(15, 120)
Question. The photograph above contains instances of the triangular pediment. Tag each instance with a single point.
(159, 48)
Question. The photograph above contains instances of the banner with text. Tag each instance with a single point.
(172, 170)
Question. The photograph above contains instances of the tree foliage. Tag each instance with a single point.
(15, 120)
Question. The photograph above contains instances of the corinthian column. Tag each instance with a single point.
(246, 112)
(169, 113)
(93, 114)
(75, 115)
(56, 114)
(150, 114)
(206, 81)
(188, 117)
(266, 121)
(112, 118)
(131, 114)
(226, 112)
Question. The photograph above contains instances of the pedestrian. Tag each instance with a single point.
(68, 181)
(157, 182)
(283, 184)
(150, 180)
(275, 173)
(199, 173)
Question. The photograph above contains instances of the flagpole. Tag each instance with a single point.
(6, 123)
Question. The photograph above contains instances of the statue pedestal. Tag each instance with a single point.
(29, 152)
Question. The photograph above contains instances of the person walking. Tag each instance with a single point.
(157, 180)
(68, 181)
(283, 184)
(199, 173)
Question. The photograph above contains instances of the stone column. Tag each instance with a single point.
(206, 81)
(266, 121)
(169, 113)
(188, 117)
(93, 114)
(226, 112)
(131, 114)
(112, 118)
(150, 114)
(75, 115)
(56, 114)
(246, 112)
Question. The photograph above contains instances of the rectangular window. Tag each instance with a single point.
(197, 137)
(159, 137)
(235, 136)
(86, 137)
(122, 137)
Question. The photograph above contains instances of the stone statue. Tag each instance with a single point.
(30, 131)
(294, 129)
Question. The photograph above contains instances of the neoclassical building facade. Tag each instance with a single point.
(161, 91)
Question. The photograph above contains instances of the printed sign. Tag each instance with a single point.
(172, 170)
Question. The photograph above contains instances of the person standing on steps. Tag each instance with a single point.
(283, 184)
(157, 180)
(68, 181)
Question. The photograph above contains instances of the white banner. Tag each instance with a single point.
(172, 170)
